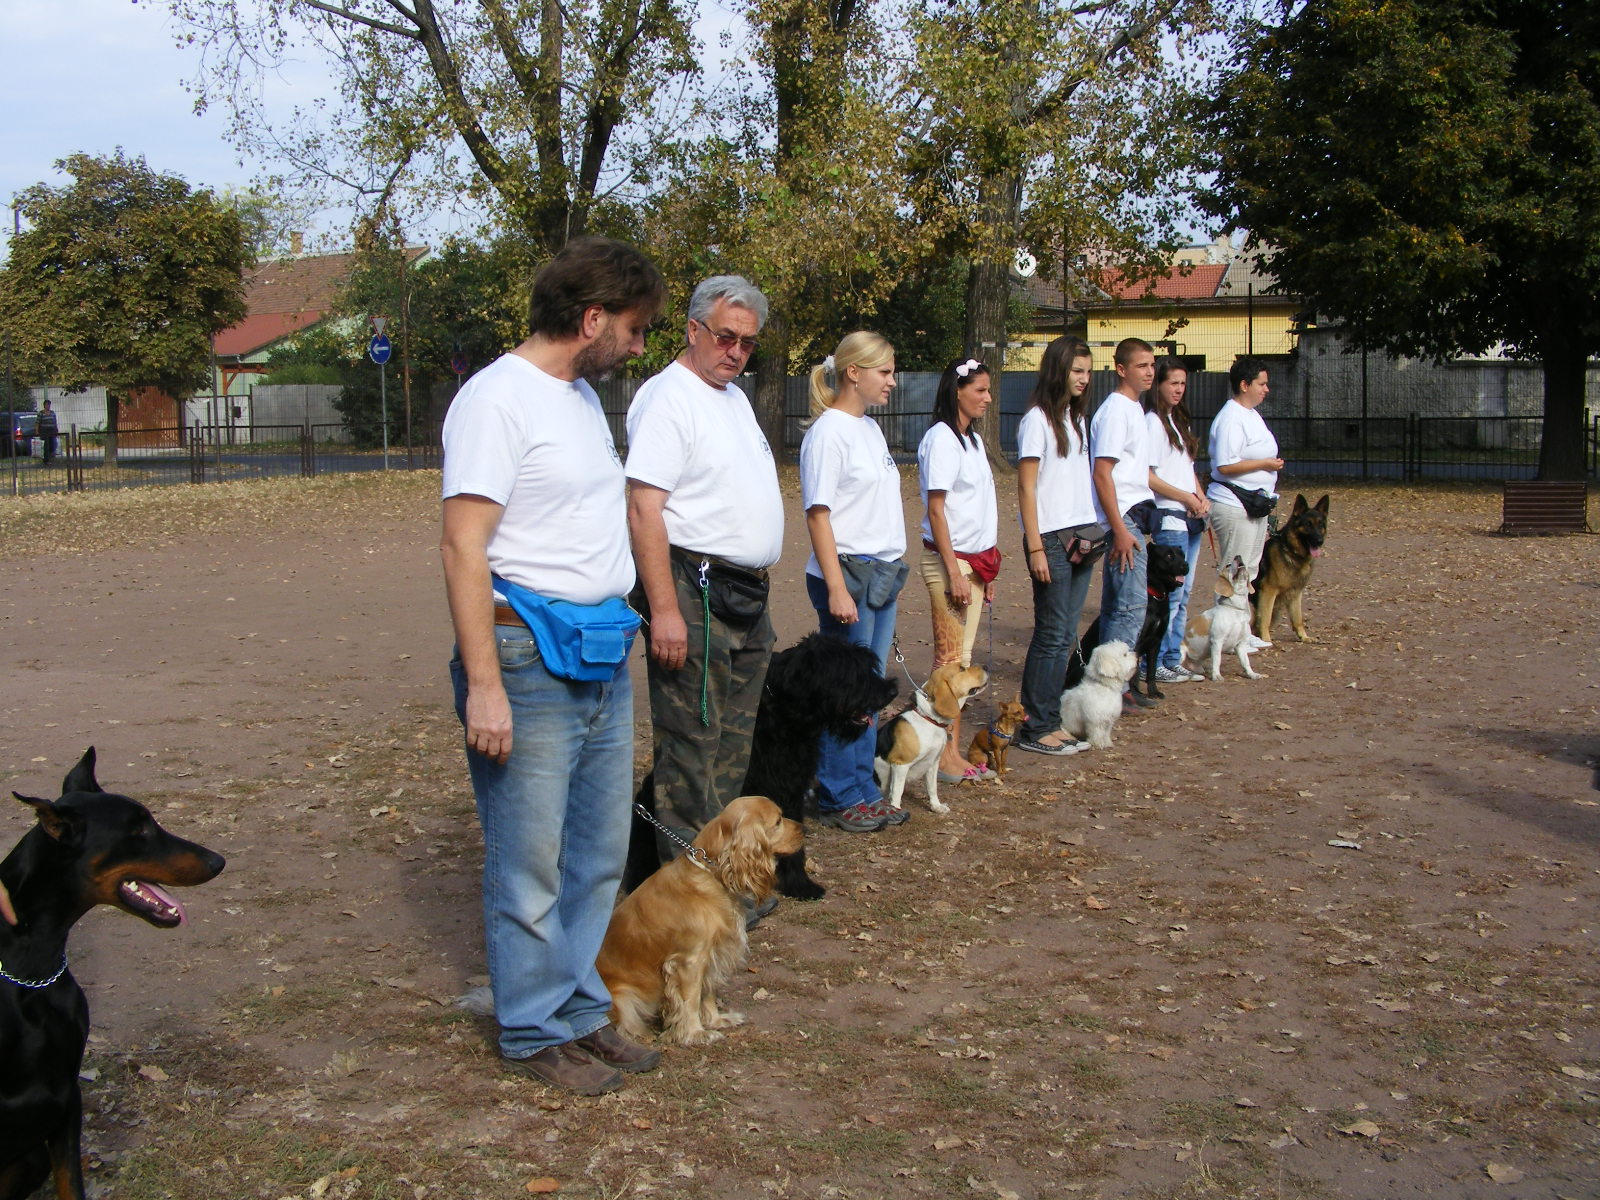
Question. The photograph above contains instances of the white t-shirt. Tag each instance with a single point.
(1171, 465)
(1117, 432)
(540, 447)
(1064, 493)
(954, 466)
(703, 446)
(1239, 433)
(846, 467)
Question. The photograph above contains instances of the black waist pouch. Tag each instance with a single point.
(737, 595)
(1257, 504)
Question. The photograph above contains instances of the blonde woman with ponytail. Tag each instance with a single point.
(850, 488)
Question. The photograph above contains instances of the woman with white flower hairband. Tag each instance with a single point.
(960, 530)
(850, 489)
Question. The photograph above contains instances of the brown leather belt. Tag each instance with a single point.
(504, 614)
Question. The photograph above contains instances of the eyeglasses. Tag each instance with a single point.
(727, 341)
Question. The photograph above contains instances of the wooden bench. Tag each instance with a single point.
(1544, 506)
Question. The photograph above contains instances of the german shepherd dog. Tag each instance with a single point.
(1286, 566)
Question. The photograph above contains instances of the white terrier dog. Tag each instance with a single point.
(1092, 708)
(1225, 625)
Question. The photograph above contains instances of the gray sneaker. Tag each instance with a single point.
(1166, 674)
(859, 818)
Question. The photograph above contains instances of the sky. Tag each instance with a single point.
(93, 75)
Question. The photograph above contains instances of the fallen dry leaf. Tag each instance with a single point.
(542, 1184)
(1501, 1173)
(1364, 1129)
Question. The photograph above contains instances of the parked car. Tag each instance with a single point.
(23, 430)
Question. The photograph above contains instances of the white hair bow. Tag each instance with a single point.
(827, 363)
(967, 368)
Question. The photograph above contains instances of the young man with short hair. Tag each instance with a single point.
(1122, 484)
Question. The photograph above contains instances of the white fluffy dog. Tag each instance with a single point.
(1092, 708)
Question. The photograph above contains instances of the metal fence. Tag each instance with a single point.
(1404, 447)
(153, 455)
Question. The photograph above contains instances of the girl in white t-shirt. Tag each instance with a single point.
(850, 489)
(1180, 501)
(1060, 515)
(960, 557)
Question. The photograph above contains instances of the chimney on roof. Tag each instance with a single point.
(297, 243)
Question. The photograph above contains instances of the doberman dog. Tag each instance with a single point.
(89, 847)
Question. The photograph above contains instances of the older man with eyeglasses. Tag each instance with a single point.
(707, 521)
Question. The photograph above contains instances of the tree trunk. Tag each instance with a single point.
(1561, 446)
(772, 378)
(113, 411)
(989, 292)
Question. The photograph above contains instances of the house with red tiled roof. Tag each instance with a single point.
(284, 297)
(1211, 306)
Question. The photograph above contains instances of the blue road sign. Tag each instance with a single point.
(378, 349)
(458, 363)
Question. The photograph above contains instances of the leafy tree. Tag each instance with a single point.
(519, 104)
(121, 280)
(1428, 171)
(1051, 124)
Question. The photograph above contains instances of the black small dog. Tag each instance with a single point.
(1165, 570)
(89, 847)
(818, 685)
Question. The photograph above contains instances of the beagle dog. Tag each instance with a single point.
(912, 742)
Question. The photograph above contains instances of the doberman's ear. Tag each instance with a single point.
(64, 826)
(81, 777)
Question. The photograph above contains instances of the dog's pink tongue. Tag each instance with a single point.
(1317, 553)
(168, 899)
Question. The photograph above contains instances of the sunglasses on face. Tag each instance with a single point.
(727, 341)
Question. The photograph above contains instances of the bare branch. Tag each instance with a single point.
(358, 19)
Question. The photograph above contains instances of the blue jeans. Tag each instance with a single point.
(555, 818)
(844, 772)
(1057, 608)
(1178, 602)
(1122, 597)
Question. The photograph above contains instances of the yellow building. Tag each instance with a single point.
(1211, 307)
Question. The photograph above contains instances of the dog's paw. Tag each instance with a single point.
(727, 1020)
(1253, 675)
(1306, 637)
(804, 888)
(936, 806)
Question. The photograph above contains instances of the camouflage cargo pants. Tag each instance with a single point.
(700, 763)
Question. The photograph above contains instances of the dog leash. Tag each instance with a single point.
(35, 983)
(695, 855)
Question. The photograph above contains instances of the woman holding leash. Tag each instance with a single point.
(1063, 533)
(960, 555)
(850, 489)
(1180, 503)
(1244, 471)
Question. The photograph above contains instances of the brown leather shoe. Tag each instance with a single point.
(614, 1050)
(568, 1067)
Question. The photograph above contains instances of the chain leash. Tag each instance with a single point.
(35, 983)
(695, 855)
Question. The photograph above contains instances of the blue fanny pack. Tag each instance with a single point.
(581, 642)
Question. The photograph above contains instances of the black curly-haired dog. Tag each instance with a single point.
(818, 685)
(1165, 569)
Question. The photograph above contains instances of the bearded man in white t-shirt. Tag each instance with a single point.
(535, 515)
(706, 517)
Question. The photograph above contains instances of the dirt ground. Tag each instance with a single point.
(1144, 972)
